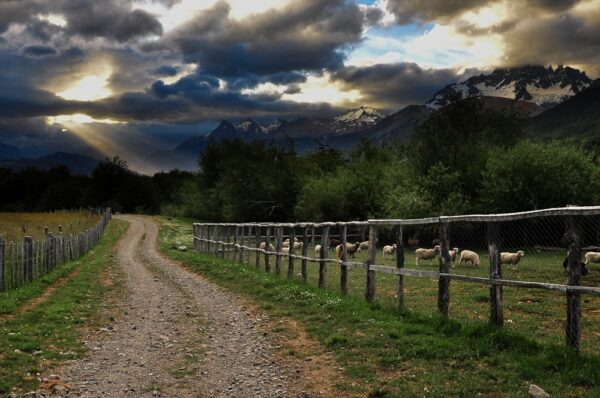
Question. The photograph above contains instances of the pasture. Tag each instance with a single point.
(15, 226)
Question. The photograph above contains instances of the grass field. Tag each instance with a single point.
(13, 224)
(415, 352)
(50, 332)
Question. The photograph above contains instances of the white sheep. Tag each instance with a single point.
(468, 255)
(389, 250)
(264, 244)
(351, 248)
(426, 254)
(297, 245)
(511, 258)
(453, 253)
(363, 246)
(317, 250)
(592, 257)
(285, 250)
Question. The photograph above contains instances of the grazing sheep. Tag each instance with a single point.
(297, 245)
(264, 244)
(413, 242)
(389, 250)
(468, 255)
(317, 250)
(350, 249)
(288, 241)
(333, 243)
(511, 258)
(363, 246)
(592, 257)
(453, 253)
(285, 250)
(426, 254)
(584, 270)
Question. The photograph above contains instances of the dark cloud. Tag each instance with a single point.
(306, 35)
(552, 5)
(396, 85)
(166, 70)
(407, 11)
(39, 51)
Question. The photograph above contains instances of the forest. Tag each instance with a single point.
(464, 158)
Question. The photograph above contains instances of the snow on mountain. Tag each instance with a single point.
(545, 87)
(356, 119)
(250, 126)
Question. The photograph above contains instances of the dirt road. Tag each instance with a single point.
(178, 335)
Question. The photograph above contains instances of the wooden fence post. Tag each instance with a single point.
(235, 252)
(51, 252)
(496, 311)
(257, 244)
(344, 263)
(267, 248)
(249, 243)
(573, 326)
(2, 264)
(278, 247)
(323, 255)
(304, 254)
(444, 282)
(371, 274)
(222, 233)
(28, 259)
(241, 236)
(400, 264)
(227, 249)
(290, 273)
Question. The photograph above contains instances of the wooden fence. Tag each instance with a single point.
(22, 262)
(240, 239)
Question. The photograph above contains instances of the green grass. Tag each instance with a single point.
(51, 332)
(417, 353)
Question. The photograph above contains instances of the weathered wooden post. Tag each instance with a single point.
(312, 237)
(493, 238)
(257, 246)
(573, 327)
(344, 263)
(267, 248)
(241, 231)
(278, 247)
(444, 281)
(249, 243)
(228, 249)
(400, 265)
(304, 254)
(371, 274)
(323, 256)
(222, 233)
(51, 251)
(236, 250)
(2, 264)
(28, 259)
(290, 273)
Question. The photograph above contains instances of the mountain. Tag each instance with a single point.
(77, 164)
(9, 151)
(356, 119)
(542, 86)
(399, 125)
(579, 115)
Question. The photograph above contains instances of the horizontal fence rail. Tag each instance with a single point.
(572, 230)
(22, 262)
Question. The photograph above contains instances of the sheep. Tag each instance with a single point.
(453, 253)
(297, 245)
(317, 250)
(592, 257)
(288, 240)
(333, 243)
(285, 250)
(264, 244)
(413, 242)
(584, 270)
(511, 258)
(350, 249)
(426, 254)
(363, 246)
(389, 250)
(468, 255)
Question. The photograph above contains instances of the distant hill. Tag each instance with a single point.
(9, 151)
(579, 115)
(77, 164)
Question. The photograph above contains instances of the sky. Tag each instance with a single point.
(129, 77)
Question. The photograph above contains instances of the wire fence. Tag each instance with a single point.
(552, 250)
(22, 262)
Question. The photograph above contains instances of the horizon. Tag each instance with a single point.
(139, 76)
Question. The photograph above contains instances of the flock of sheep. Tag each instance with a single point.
(464, 256)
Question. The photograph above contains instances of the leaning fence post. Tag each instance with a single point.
(290, 273)
(304, 254)
(268, 249)
(400, 265)
(496, 314)
(278, 247)
(371, 275)
(323, 256)
(344, 263)
(28, 258)
(2, 264)
(573, 327)
(444, 281)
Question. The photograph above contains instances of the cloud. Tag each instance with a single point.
(166, 70)
(407, 11)
(39, 51)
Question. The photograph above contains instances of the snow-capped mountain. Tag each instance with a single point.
(356, 119)
(545, 87)
(252, 127)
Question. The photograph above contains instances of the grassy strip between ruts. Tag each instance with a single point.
(390, 354)
(38, 339)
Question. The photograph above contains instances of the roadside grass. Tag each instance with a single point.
(386, 353)
(37, 340)
(12, 224)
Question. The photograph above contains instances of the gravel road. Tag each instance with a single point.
(178, 335)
